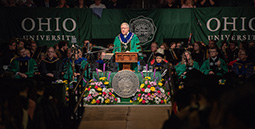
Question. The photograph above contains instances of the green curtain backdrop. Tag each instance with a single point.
(50, 25)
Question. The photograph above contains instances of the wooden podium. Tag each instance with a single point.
(126, 58)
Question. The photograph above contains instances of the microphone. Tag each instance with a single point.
(88, 51)
(73, 41)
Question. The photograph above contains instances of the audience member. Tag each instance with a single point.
(114, 4)
(51, 66)
(169, 4)
(9, 54)
(187, 64)
(208, 3)
(62, 4)
(188, 4)
(150, 55)
(23, 66)
(81, 4)
(97, 4)
(79, 65)
(214, 64)
(198, 54)
(232, 52)
(63, 46)
(243, 67)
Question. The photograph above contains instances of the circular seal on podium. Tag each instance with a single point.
(125, 83)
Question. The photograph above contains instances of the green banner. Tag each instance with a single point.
(48, 26)
(219, 24)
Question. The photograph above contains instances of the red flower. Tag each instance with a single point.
(110, 93)
(98, 101)
(139, 95)
(149, 86)
(88, 89)
(161, 101)
(149, 94)
(89, 95)
(143, 101)
(142, 89)
(96, 87)
(104, 93)
(159, 91)
(116, 99)
(168, 93)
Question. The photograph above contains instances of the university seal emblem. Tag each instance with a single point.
(125, 84)
(144, 28)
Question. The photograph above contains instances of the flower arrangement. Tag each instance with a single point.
(151, 92)
(98, 92)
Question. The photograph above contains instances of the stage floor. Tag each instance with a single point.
(125, 116)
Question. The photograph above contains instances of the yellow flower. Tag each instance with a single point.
(102, 78)
(86, 89)
(152, 94)
(90, 80)
(67, 88)
(142, 85)
(148, 78)
(113, 95)
(162, 80)
(99, 89)
(93, 101)
(131, 101)
(107, 101)
(140, 100)
(83, 95)
(106, 83)
(164, 100)
(152, 89)
(100, 93)
(160, 84)
(65, 81)
(67, 99)
(89, 86)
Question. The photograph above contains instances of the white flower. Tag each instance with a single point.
(118, 100)
(147, 90)
(162, 90)
(157, 100)
(101, 99)
(92, 91)
(147, 101)
(105, 90)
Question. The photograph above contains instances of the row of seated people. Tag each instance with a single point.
(124, 4)
(23, 66)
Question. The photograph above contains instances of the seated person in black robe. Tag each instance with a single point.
(51, 66)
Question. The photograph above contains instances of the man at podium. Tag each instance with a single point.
(126, 41)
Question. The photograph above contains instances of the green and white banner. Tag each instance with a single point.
(48, 26)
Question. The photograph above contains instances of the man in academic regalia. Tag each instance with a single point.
(23, 66)
(214, 64)
(79, 65)
(51, 66)
(126, 41)
(243, 67)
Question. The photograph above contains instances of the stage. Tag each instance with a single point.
(125, 116)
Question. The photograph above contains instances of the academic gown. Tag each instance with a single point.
(130, 43)
(181, 68)
(24, 65)
(206, 68)
(79, 66)
(53, 66)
